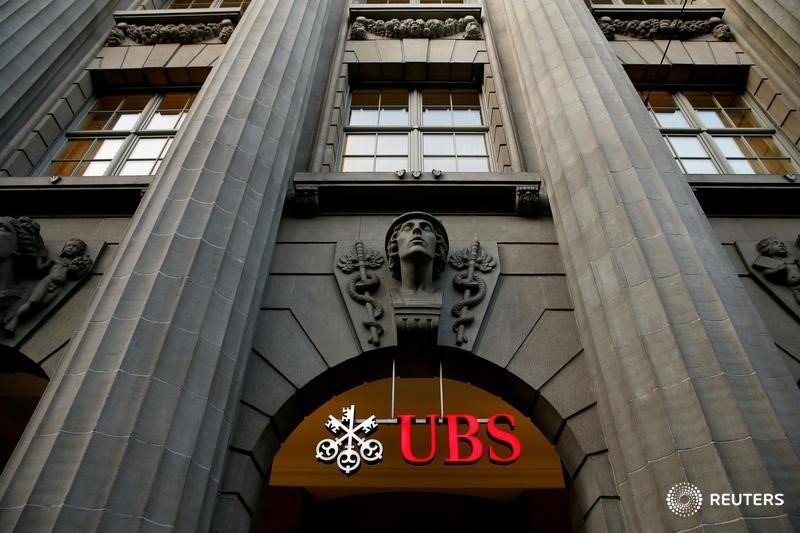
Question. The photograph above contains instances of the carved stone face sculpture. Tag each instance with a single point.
(416, 248)
(772, 247)
(73, 248)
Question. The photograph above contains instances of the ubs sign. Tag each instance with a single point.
(350, 445)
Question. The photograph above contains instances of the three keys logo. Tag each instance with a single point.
(684, 499)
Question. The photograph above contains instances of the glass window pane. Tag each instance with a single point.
(390, 164)
(95, 121)
(742, 118)
(438, 144)
(176, 101)
(108, 103)
(779, 166)
(137, 168)
(466, 117)
(363, 117)
(473, 164)
(360, 145)
(699, 166)
(436, 97)
(394, 97)
(670, 119)
(124, 121)
(357, 164)
(466, 99)
(93, 168)
(75, 149)
(658, 98)
(61, 168)
(730, 100)
(392, 144)
(135, 102)
(364, 98)
(470, 145)
(106, 149)
(731, 146)
(148, 148)
(394, 117)
(436, 117)
(713, 119)
(445, 164)
(700, 99)
(687, 146)
(164, 120)
(744, 166)
(764, 147)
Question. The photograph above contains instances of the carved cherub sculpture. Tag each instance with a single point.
(778, 265)
(22, 254)
(72, 263)
(416, 249)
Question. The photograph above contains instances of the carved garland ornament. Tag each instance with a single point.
(665, 28)
(170, 33)
(415, 28)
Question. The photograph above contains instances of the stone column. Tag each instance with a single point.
(41, 48)
(131, 433)
(689, 384)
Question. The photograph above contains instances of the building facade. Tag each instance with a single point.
(224, 220)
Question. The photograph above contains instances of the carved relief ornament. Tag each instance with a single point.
(30, 281)
(665, 28)
(170, 33)
(416, 28)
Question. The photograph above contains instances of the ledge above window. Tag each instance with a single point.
(147, 17)
(450, 192)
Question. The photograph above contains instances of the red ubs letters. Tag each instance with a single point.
(466, 433)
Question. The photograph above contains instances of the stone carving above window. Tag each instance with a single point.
(664, 28)
(124, 33)
(467, 27)
(30, 280)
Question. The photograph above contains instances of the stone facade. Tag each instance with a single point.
(247, 281)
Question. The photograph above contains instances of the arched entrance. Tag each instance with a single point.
(246, 497)
(526, 494)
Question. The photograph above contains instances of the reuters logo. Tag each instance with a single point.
(684, 499)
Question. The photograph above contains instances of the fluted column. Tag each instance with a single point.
(689, 384)
(42, 42)
(127, 435)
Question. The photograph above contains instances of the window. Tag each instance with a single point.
(717, 132)
(198, 4)
(640, 2)
(422, 129)
(123, 134)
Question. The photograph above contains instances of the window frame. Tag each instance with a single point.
(415, 128)
(705, 135)
(214, 4)
(129, 137)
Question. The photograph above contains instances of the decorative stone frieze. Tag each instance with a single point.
(665, 28)
(416, 28)
(170, 33)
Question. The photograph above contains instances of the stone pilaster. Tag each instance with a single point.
(131, 433)
(689, 385)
